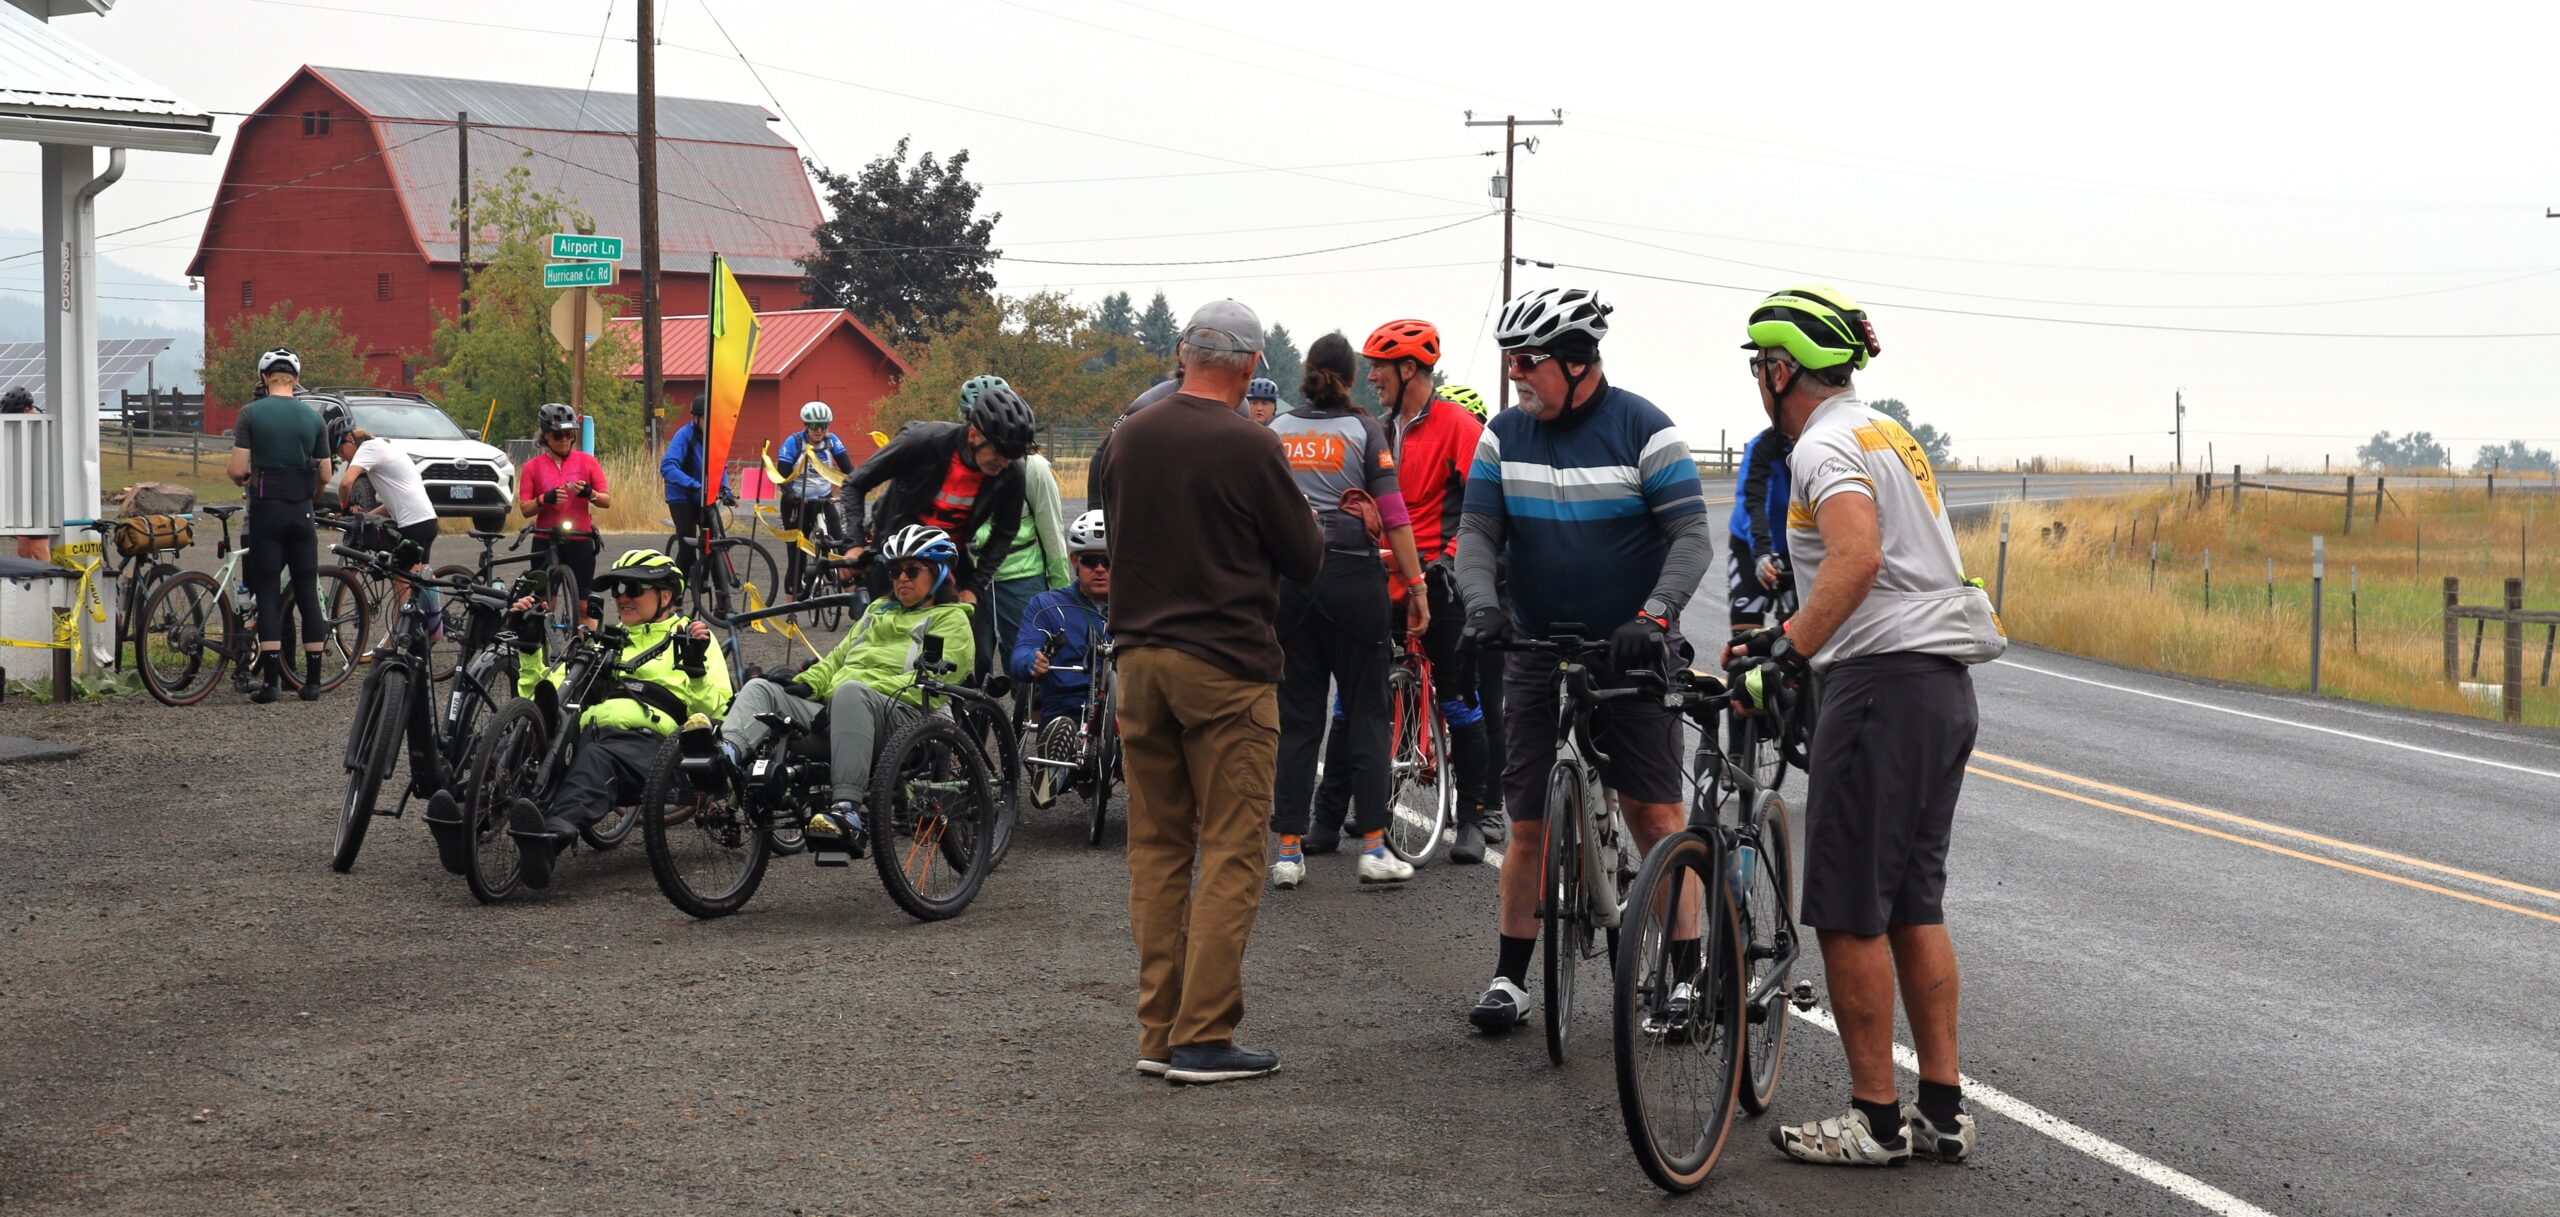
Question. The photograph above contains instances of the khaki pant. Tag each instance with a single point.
(1198, 746)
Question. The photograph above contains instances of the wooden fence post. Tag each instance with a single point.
(2512, 698)
(2000, 584)
(2378, 480)
(2351, 505)
(2235, 488)
(2452, 630)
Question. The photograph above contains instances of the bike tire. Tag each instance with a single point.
(454, 615)
(346, 616)
(503, 767)
(757, 576)
(373, 744)
(1422, 802)
(930, 770)
(677, 821)
(560, 616)
(1563, 920)
(997, 742)
(614, 829)
(1106, 760)
(185, 645)
(137, 588)
(1675, 1155)
(1769, 930)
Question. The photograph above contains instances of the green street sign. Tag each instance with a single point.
(566, 246)
(578, 274)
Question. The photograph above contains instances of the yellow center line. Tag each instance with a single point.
(2218, 834)
(2263, 826)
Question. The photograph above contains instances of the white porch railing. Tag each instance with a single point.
(28, 496)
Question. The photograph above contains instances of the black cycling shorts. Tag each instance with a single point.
(1890, 743)
(1642, 739)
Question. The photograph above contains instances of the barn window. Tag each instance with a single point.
(315, 123)
(756, 303)
(382, 286)
(248, 295)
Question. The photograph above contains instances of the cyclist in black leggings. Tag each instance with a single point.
(280, 455)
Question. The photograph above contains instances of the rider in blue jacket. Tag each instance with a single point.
(1756, 576)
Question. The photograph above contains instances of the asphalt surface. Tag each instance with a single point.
(2257, 952)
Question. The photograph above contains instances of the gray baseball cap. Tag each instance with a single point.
(1224, 325)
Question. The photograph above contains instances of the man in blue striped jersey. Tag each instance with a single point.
(1589, 491)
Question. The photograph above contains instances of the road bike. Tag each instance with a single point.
(196, 627)
(1589, 855)
(742, 578)
(397, 702)
(1706, 956)
(1422, 791)
(932, 811)
(1082, 752)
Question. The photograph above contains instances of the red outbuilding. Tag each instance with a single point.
(802, 355)
(340, 194)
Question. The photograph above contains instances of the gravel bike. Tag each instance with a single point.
(1707, 955)
(1083, 753)
(482, 572)
(932, 810)
(742, 575)
(397, 702)
(135, 573)
(195, 627)
(1589, 854)
(1422, 791)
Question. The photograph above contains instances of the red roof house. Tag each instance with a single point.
(340, 193)
(802, 355)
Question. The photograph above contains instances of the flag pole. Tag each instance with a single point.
(710, 373)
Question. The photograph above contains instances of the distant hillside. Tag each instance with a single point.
(166, 309)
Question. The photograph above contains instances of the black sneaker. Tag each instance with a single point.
(1323, 838)
(1202, 1064)
(1468, 850)
(453, 840)
(533, 841)
(1493, 824)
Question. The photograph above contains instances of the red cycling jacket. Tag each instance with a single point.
(1432, 455)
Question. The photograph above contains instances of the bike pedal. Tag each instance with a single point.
(1802, 995)
(830, 857)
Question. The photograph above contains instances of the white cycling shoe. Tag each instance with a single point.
(1381, 866)
(1937, 1142)
(1842, 1140)
(1288, 873)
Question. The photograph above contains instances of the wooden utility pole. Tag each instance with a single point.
(462, 193)
(578, 351)
(652, 351)
(2178, 429)
(1507, 188)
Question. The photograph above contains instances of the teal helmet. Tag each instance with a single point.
(971, 388)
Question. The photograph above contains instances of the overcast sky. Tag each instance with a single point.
(2221, 166)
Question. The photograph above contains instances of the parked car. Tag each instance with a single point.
(463, 476)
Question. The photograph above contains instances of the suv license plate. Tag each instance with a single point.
(461, 492)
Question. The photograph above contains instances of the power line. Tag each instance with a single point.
(1256, 65)
(1151, 177)
(1274, 274)
(2113, 325)
(1304, 253)
(769, 94)
(593, 62)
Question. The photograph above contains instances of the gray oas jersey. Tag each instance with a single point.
(1920, 601)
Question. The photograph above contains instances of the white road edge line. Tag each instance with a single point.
(2177, 1182)
(2282, 722)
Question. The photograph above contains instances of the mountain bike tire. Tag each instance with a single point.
(373, 746)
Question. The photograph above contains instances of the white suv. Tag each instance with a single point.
(463, 476)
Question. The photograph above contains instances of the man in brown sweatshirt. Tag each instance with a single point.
(1205, 522)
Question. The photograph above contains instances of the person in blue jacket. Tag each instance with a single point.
(1756, 578)
(681, 469)
(1055, 627)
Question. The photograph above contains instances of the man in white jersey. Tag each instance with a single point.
(1889, 624)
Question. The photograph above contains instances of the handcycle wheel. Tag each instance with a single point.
(1002, 749)
(1767, 910)
(373, 746)
(1105, 760)
(1679, 1066)
(707, 852)
(614, 829)
(1566, 924)
(933, 811)
(183, 641)
(1423, 801)
(504, 766)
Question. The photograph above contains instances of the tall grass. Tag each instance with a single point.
(2080, 579)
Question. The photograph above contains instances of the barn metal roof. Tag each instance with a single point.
(53, 88)
(784, 338)
(387, 95)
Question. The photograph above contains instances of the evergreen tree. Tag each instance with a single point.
(1285, 365)
(1157, 330)
(1117, 316)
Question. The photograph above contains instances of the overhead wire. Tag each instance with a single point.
(806, 145)
(593, 62)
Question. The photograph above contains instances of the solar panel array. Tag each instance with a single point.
(120, 360)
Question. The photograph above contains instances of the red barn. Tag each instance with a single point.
(340, 193)
(802, 355)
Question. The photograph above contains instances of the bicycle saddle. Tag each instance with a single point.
(223, 511)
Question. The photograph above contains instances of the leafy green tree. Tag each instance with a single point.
(1935, 444)
(903, 247)
(1157, 330)
(329, 354)
(1117, 316)
(1286, 365)
(2416, 450)
(1052, 350)
(508, 354)
(2515, 457)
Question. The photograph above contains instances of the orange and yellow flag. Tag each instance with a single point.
(733, 352)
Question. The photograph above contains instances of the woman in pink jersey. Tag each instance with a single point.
(559, 488)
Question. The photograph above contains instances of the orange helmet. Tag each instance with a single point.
(1415, 340)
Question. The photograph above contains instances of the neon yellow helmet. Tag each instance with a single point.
(643, 568)
(1819, 327)
(1469, 399)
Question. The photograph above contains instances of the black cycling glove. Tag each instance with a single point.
(1640, 645)
(1766, 643)
(1487, 626)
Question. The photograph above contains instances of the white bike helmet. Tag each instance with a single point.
(1086, 535)
(1542, 317)
(920, 543)
(816, 412)
(281, 359)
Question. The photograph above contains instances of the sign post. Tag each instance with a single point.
(583, 262)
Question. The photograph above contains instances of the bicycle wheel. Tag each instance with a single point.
(614, 829)
(1768, 932)
(136, 590)
(707, 852)
(560, 612)
(346, 617)
(1679, 1063)
(998, 744)
(373, 746)
(1567, 927)
(748, 566)
(183, 639)
(1757, 749)
(1105, 761)
(504, 766)
(932, 818)
(1423, 801)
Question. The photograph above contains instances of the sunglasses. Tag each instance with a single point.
(911, 570)
(628, 592)
(1523, 363)
(1094, 561)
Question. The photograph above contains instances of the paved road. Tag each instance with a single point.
(2224, 951)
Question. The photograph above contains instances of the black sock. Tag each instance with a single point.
(1515, 959)
(311, 667)
(1686, 960)
(1884, 1120)
(1941, 1103)
(270, 667)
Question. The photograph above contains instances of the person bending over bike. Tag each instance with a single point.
(622, 731)
(1055, 628)
(866, 685)
(1037, 561)
(956, 478)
